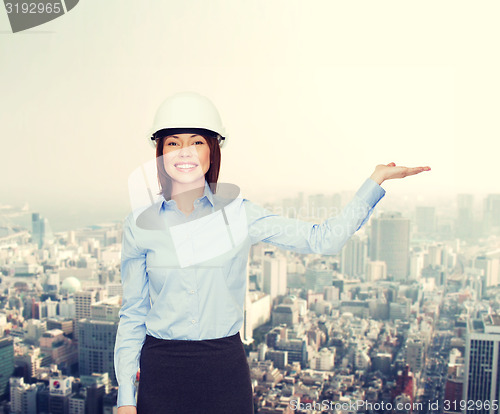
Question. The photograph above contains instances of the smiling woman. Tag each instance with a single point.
(184, 275)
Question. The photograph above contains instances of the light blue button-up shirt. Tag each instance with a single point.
(184, 277)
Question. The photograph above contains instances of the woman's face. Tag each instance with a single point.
(186, 157)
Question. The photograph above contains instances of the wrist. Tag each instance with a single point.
(377, 178)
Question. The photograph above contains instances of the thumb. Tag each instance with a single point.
(391, 164)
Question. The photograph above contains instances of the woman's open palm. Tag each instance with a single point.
(390, 171)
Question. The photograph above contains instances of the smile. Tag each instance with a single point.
(186, 167)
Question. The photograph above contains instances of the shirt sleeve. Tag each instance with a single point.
(135, 307)
(304, 237)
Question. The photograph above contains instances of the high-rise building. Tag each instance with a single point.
(390, 242)
(84, 299)
(16, 393)
(415, 354)
(6, 364)
(257, 312)
(96, 347)
(482, 362)
(417, 259)
(23, 397)
(491, 214)
(354, 255)
(491, 271)
(95, 389)
(41, 231)
(464, 226)
(60, 392)
(97, 336)
(274, 275)
(37, 229)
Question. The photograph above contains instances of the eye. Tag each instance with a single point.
(199, 142)
(171, 143)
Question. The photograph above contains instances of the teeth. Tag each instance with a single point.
(185, 165)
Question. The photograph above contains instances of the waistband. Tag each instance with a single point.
(203, 345)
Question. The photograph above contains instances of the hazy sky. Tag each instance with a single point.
(313, 95)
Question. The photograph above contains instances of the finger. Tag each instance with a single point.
(416, 170)
(391, 164)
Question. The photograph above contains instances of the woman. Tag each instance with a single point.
(184, 269)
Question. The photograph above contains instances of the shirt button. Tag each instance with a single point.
(193, 321)
(191, 291)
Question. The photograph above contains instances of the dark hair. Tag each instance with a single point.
(211, 176)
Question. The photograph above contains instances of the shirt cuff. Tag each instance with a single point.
(126, 395)
(371, 192)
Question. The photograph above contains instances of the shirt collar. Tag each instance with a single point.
(207, 192)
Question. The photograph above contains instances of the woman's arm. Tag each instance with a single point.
(305, 237)
(135, 307)
(331, 235)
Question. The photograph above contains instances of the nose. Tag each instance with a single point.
(186, 151)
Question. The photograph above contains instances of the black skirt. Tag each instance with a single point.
(181, 376)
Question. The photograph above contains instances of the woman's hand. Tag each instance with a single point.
(387, 172)
(127, 409)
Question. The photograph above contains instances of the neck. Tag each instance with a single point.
(185, 194)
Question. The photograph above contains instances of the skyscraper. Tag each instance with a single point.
(37, 227)
(491, 214)
(274, 275)
(464, 226)
(6, 363)
(390, 242)
(41, 231)
(353, 256)
(491, 271)
(97, 336)
(96, 345)
(84, 299)
(482, 361)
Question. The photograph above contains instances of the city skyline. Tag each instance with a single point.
(313, 95)
(61, 220)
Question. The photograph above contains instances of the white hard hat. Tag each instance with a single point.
(188, 110)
